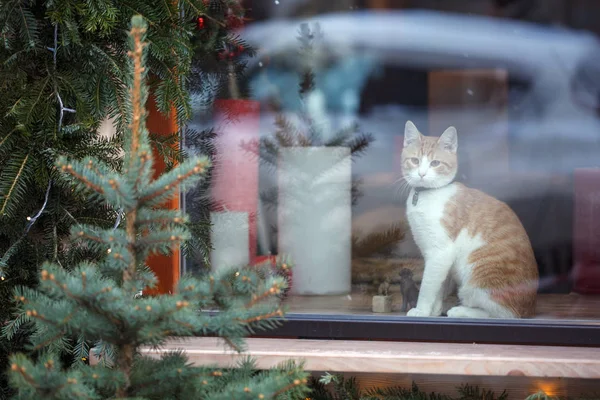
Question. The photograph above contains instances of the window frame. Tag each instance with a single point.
(439, 329)
(391, 327)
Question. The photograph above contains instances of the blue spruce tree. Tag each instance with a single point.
(97, 300)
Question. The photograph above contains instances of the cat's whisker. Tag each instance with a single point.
(403, 187)
(398, 188)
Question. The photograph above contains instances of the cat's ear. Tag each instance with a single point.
(449, 140)
(411, 133)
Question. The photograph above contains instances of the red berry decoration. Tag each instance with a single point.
(200, 23)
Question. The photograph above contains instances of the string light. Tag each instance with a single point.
(546, 388)
(118, 221)
(62, 109)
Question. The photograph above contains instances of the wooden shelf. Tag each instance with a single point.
(399, 357)
(549, 306)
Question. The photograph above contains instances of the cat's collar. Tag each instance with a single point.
(417, 190)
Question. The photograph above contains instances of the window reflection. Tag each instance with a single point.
(310, 166)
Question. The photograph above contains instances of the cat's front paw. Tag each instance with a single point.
(417, 312)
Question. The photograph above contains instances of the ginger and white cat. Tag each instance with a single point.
(467, 238)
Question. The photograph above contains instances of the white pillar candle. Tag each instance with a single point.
(315, 218)
(229, 239)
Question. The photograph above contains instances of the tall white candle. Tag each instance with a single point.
(229, 239)
(315, 217)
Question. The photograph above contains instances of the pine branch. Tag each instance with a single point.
(29, 30)
(170, 183)
(15, 188)
(96, 300)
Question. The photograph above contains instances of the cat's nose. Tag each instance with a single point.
(422, 173)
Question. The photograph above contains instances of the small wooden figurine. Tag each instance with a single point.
(384, 288)
(409, 290)
(382, 302)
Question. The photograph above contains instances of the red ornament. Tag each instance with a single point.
(200, 23)
(240, 48)
(231, 54)
(235, 178)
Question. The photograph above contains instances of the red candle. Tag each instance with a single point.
(235, 173)
(586, 231)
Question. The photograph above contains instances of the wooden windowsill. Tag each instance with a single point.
(549, 306)
(399, 357)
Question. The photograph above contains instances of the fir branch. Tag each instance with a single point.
(14, 186)
(274, 290)
(468, 392)
(10, 329)
(7, 136)
(69, 169)
(48, 341)
(159, 191)
(40, 92)
(29, 30)
(262, 317)
(295, 383)
(136, 92)
(94, 300)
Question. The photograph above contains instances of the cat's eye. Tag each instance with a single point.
(414, 160)
(434, 163)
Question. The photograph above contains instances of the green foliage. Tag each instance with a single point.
(69, 57)
(288, 134)
(467, 392)
(63, 70)
(310, 126)
(543, 396)
(313, 128)
(336, 387)
(97, 301)
(414, 393)
(379, 242)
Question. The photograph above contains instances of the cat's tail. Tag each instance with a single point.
(519, 299)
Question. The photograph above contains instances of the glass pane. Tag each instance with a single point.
(415, 157)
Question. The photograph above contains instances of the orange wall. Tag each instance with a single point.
(166, 268)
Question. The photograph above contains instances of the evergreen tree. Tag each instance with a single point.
(337, 387)
(63, 70)
(98, 300)
(310, 125)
